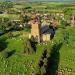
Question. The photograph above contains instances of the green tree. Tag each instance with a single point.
(63, 23)
(6, 5)
(2, 28)
(25, 19)
(67, 11)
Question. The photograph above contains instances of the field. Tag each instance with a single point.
(20, 63)
(17, 62)
(23, 64)
(10, 16)
(66, 53)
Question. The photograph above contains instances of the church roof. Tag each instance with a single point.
(47, 30)
(44, 29)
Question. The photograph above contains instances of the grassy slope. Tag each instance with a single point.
(19, 63)
(22, 64)
(67, 53)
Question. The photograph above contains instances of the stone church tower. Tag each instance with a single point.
(35, 29)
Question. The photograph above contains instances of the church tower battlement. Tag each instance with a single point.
(35, 29)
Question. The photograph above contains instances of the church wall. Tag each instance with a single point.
(46, 37)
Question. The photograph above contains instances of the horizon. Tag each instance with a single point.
(38, 0)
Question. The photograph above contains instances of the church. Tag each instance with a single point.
(41, 33)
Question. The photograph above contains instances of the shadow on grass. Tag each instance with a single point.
(16, 35)
(3, 44)
(10, 53)
(53, 61)
(52, 31)
(33, 45)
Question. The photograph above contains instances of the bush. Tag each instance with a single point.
(45, 62)
(10, 34)
(43, 70)
(27, 47)
(37, 71)
(40, 63)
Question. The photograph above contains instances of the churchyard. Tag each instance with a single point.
(21, 56)
(20, 63)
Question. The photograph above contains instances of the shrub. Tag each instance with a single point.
(40, 63)
(27, 47)
(37, 71)
(43, 70)
(10, 34)
(45, 61)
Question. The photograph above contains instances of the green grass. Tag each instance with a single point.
(19, 63)
(67, 53)
(23, 64)
(10, 16)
